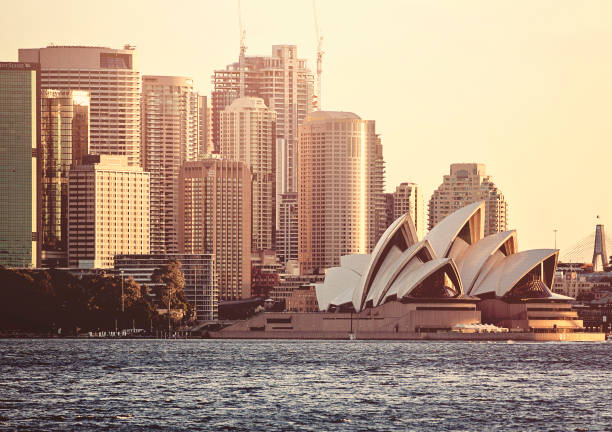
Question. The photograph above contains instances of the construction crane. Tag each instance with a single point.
(243, 47)
(319, 54)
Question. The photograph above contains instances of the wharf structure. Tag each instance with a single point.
(453, 279)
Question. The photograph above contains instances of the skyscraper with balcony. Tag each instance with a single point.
(64, 142)
(111, 77)
(19, 151)
(215, 218)
(286, 85)
(466, 184)
(341, 205)
(287, 234)
(108, 211)
(408, 198)
(205, 125)
(170, 136)
(248, 135)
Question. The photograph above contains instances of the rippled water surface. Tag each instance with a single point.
(191, 385)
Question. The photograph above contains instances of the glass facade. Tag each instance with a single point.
(19, 137)
(111, 77)
(64, 141)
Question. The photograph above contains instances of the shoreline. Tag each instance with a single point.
(439, 336)
(378, 336)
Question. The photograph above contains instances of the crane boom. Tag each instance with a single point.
(243, 47)
(319, 53)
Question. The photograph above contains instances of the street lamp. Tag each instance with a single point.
(122, 302)
(169, 299)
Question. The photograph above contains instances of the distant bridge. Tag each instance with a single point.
(582, 251)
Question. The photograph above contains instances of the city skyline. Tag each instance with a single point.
(534, 84)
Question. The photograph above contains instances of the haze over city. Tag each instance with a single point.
(523, 88)
(265, 215)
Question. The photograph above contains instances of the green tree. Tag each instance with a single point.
(42, 301)
(24, 303)
(169, 287)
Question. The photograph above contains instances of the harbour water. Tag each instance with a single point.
(188, 385)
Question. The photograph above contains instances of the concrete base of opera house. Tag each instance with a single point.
(435, 319)
(422, 320)
(427, 336)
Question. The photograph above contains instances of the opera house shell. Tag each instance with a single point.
(437, 287)
(453, 262)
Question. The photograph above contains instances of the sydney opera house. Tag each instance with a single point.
(453, 278)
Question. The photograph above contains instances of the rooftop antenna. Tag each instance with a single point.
(243, 48)
(319, 54)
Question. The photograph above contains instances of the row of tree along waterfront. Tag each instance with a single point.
(45, 301)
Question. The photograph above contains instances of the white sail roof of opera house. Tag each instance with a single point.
(454, 255)
(338, 281)
(504, 276)
(404, 265)
(446, 231)
(472, 261)
(399, 236)
(356, 262)
(416, 277)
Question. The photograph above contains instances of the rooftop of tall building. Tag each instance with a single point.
(247, 102)
(332, 115)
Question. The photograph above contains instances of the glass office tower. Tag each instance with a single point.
(19, 144)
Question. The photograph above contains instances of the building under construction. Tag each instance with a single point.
(286, 85)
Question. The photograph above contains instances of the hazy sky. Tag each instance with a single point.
(524, 87)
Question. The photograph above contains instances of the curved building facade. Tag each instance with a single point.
(341, 205)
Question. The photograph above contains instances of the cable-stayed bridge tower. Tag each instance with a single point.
(600, 256)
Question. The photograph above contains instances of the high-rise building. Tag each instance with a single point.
(108, 211)
(215, 217)
(285, 84)
(287, 235)
(341, 205)
(205, 125)
(199, 271)
(170, 136)
(466, 184)
(64, 142)
(389, 208)
(19, 160)
(111, 77)
(408, 198)
(248, 135)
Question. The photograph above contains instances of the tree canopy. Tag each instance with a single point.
(168, 286)
(46, 300)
